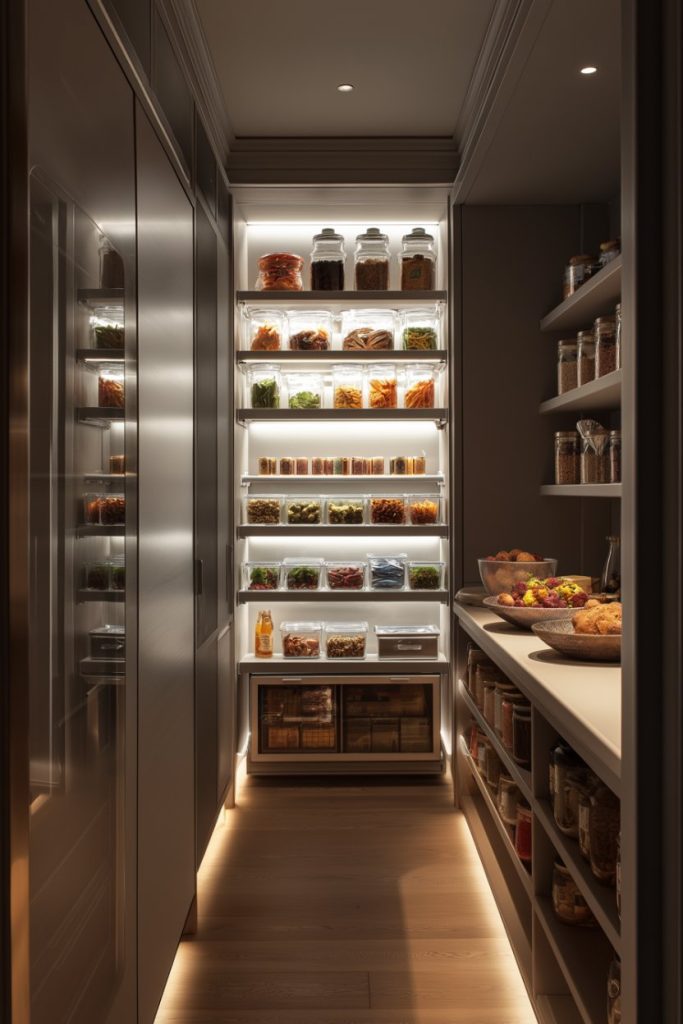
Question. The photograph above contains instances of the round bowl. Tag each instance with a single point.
(500, 577)
(525, 618)
(561, 637)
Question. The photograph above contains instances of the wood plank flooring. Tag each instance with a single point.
(344, 902)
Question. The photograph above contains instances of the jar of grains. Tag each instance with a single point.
(577, 271)
(566, 457)
(567, 378)
(615, 456)
(605, 329)
(594, 457)
(585, 341)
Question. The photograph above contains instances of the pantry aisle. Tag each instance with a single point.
(344, 901)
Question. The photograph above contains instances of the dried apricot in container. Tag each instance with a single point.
(420, 391)
(382, 386)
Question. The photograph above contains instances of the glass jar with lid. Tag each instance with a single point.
(420, 386)
(264, 329)
(521, 733)
(510, 700)
(347, 386)
(489, 708)
(523, 826)
(345, 639)
(475, 657)
(107, 329)
(310, 330)
(567, 370)
(493, 767)
(508, 799)
(371, 261)
(609, 251)
(501, 692)
(264, 383)
(485, 674)
(368, 330)
(301, 639)
(382, 386)
(615, 456)
(604, 832)
(417, 261)
(305, 390)
(111, 387)
(585, 341)
(327, 261)
(424, 509)
(594, 455)
(566, 457)
(568, 902)
(577, 271)
(605, 330)
(420, 330)
(280, 272)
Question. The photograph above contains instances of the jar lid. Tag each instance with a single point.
(604, 321)
(328, 235)
(615, 433)
(583, 257)
(567, 343)
(372, 235)
(584, 336)
(612, 243)
(418, 234)
(565, 433)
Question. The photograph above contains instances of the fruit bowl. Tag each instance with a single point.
(500, 577)
(561, 637)
(525, 618)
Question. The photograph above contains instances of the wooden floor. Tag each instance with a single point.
(344, 902)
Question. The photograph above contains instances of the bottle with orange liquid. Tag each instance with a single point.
(263, 639)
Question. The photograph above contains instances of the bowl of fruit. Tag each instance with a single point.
(538, 600)
(500, 573)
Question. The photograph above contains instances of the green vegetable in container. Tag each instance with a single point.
(424, 577)
(265, 394)
(304, 400)
(304, 577)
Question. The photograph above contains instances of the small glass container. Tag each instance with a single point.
(483, 748)
(302, 573)
(371, 261)
(419, 464)
(605, 329)
(570, 781)
(568, 903)
(305, 391)
(614, 449)
(118, 572)
(387, 509)
(566, 457)
(359, 465)
(492, 767)
(521, 734)
(368, 330)
(310, 330)
(287, 465)
(304, 511)
(424, 509)
(280, 272)
(111, 387)
(417, 261)
(584, 823)
(267, 466)
(327, 261)
(420, 386)
(262, 510)
(508, 799)
(502, 690)
(420, 330)
(91, 508)
(346, 639)
(509, 702)
(523, 828)
(317, 466)
(425, 575)
(112, 509)
(301, 639)
(348, 575)
(301, 463)
(609, 251)
(107, 330)
(382, 386)
(604, 829)
(586, 356)
(475, 657)
(567, 367)
(261, 575)
(489, 709)
(577, 271)
(264, 330)
(595, 457)
(343, 511)
(614, 991)
(618, 325)
(117, 464)
(387, 572)
(98, 576)
(347, 386)
(376, 465)
(264, 384)
(486, 674)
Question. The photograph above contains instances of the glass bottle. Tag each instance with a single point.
(418, 260)
(371, 261)
(327, 261)
(585, 341)
(263, 635)
(566, 457)
(610, 581)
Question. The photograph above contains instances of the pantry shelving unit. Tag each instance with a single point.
(602, 393)
(342, 531)
(593, 298)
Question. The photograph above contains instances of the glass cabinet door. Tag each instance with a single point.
(298, 720)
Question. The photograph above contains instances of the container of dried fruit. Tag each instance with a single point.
(310, 330)
(346, 639)
(420, 330)
(264, 330)
(262, 510)
(420, 386)
(302, 573)
(111, 387)
(305, 391)
(301, 639)
(348, 575)
(368, 330)
(387, 509)
(264, 384)
(261, 575)
(347, 386)
(387, 572)
(91, 508)
(280, 272)
(112, 510)
(425, 575)
(342, 511)
(371, 261)
(304, 511)
(382, 386)
(424, 509)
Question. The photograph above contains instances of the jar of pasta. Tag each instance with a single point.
(382, 386)
(347, 386)
(420, 329)
(420, 386)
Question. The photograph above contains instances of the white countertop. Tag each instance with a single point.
(581, 700)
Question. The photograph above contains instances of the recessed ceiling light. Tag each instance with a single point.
(345, 88)
(588, 70)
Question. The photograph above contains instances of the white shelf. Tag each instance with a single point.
(411, 482)
(369, 531)
(439, 416)
(332, 596)
(521, 776)
(94, 416)
(335, 355)
(96, 530)
(581, 700)
(400, 667)
(101, 595)
(581, 490)
(597, 296)
(602, 393)
(335, 300)
(100, 355)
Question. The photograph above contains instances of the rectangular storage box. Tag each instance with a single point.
(108, 642)
(408, 641)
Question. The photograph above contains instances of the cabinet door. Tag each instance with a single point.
(206, 669)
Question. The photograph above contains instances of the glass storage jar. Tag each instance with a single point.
(615, 456)
(420, 330)
(346, 639)
(567, 370)
(420, 386)
(486, 673)
(280, 272)
(343, 511)
(508, 799)
(327, 261)
(509, 702)
(371, 261)
(523, 826)
(609, 251)
(118, 572)
(112, 510)
(605, 330)
(563, 761)
(347, 386)
(475, 657)
(106, 329)
(302, 573)
(585, 341)
(595, 456)
(117, 464)
(305, 391)
(492, 767)
(387, 572)
(387, 509)
(264, 330)
(98, 575)
(267, 466)
(262, 510)
(264, 385)
(382, 386)
(91, 509)
(309, 330)
(489, 708)
(304, 511)
(425, 575)
(502, 690)
(566, 457)
(604, 831)
(261, 575)
(300, 639)
(111, 387)
(614, 991)
(424, 509)
(417, 261)
(570, 782)
(347, 575)
(577, 271)
(521, 733)
(568, 903)
(368, 330)
(483, 748)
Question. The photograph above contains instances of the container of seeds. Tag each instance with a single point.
(264, 510)
(346, 639)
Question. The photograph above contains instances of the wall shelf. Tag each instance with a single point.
(342, 531)
(521, 776)
(95, 530)
(581, 490)
(332, 596)
(107, 478)
(341, 299)
(96, 417)
(101, 595)
(100, 355)
(597, 296)
(439, 416)
(95, 298)
(437, 355)
(411, 482)
(284, 667)
(603, 393)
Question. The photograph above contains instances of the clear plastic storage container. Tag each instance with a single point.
(417, 261)
(262, 510)
(387, 509)
(420, 386)
(420, 330)
(301, 639)
(98, 575)
(91, 508)
(304, 511)
(382, 386)
(342, 511)
(261, 575)
(368, 330)
(425, 575)
(118, 572)
(387, 572)
(310, 330)
(302, 573)
(347, 386)
(264, 384)
(111, 387)
(347, 575)
(305, 391)
(264, 330)
(106, 329)
(424, 509)
(346, 639)
(371, 260)
(327, 261)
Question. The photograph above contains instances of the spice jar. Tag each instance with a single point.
(420, 387)
(605, 329)
(584, 823)
(604, 829)
(280, 272)
(594, 453)
(578, 270)
(508, 799)
(614, 449)
(609, 251)
(264, 387)
(493, 767)
(501, 691)
(510, 700)
(486, 674)
(382, 386)
(585, 341)
(567, 372)
(475, 657)
(489, 702)
(565, 766)
(521, 734)
(523, 832)
(267, 465)
(347, 386)
(566, 457)
(110, 387)
(264, 330)
(371, 261)
(483, 748)
(305, 391)
(327, 261)
(614, 991)
(568, 903)
(302, 466)
(417, 260)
